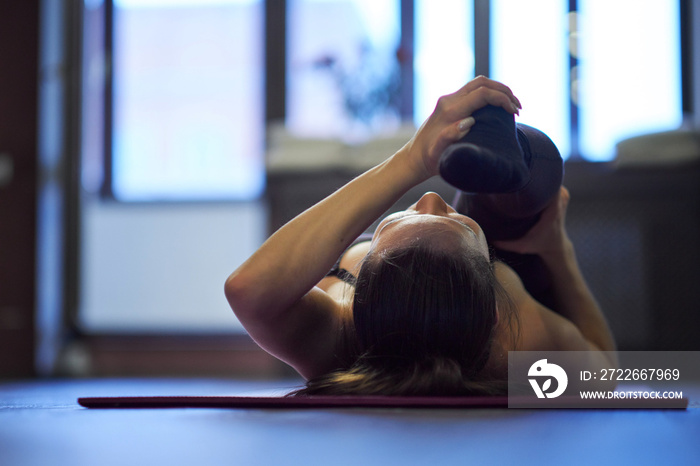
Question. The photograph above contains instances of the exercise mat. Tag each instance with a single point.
(314, 402)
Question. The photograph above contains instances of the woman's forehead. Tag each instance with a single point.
(431, 231)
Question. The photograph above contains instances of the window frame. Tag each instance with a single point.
(273, 27)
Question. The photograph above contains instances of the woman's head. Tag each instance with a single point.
(424, 308)
(425, 301)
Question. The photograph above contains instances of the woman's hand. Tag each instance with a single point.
(548, 235)
(451, 120)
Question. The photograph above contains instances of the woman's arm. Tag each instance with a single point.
(572, 300)
(273, 293)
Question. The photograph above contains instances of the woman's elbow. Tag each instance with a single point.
(238, 291)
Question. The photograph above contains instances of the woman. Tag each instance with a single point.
(424, 310)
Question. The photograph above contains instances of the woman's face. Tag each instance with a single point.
(430, 217)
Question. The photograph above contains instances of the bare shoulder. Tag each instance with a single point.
(354, 256)
(350, 261)
(540, 328)
(511, 283)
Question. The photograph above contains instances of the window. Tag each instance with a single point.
(187, 106)
(626, 73)
(342, 68)
(444, 51)
(529, 52)
(583, 69)
(187, 100)
(629, 73)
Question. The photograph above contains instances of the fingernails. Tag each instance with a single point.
(515, 109)
(466, 123)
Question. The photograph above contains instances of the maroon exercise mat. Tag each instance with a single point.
(362, 402)
(293, 402)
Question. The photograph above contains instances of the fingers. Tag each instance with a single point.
(554, 211)
(483, 81)
(451, 133)
(477, 94)
(464, 126)
(565, 196)
(484, 96)
(458, 130)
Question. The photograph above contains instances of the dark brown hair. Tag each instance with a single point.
(424, 319)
